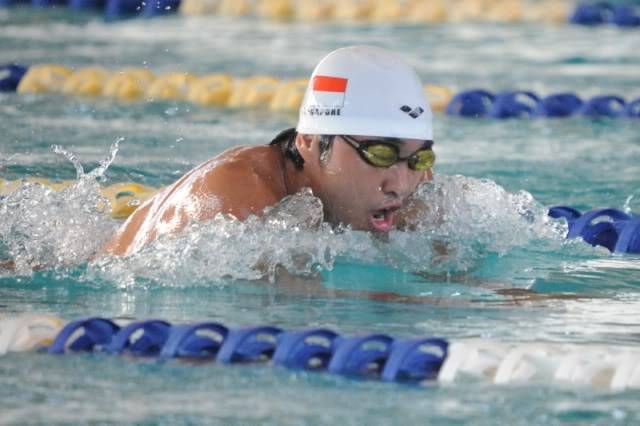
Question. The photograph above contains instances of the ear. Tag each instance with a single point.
(307, 148)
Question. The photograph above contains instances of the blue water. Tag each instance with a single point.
(207, 274)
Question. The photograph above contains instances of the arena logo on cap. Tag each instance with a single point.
(413, 112)
(328, 95)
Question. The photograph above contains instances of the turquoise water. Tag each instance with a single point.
(499, 234)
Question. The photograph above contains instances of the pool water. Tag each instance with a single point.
(494, 178)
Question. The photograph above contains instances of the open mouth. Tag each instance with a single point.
(382, 220)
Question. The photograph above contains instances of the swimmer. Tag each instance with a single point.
(363, 143)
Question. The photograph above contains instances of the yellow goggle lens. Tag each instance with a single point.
(382, 155)
(424, 160)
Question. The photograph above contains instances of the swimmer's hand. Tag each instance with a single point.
(412, 215)
(7, 265)
(415, 216)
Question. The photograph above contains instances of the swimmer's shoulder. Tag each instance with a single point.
(240, 182)
(245, 179)
(262, 159)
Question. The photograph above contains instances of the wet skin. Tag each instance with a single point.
(244, 181)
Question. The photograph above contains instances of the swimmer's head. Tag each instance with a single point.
(365, 91)
(364, 135)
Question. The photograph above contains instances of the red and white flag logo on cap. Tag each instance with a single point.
(329, 91)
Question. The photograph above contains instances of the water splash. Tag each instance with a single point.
(291, 234)
(98, 172)
(465, 219)
(42, 228)
(460, 221)
(627, 205)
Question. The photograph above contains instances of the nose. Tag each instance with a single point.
(399, 181)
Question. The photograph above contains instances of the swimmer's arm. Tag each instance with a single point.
(119, 244)
(7, 265)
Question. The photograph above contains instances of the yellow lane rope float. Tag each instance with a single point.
(218, 90)
(428, 11)
(43, 78)
(123, 197)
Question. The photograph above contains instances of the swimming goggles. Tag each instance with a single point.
(381, 153)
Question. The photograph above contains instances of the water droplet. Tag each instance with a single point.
(627, 205)
(172, 111)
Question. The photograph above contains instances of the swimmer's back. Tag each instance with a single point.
(239, 182)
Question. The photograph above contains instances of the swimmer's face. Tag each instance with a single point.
(354, 192)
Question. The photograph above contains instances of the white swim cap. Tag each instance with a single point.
(365, 91)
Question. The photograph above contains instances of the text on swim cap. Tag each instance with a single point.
(315, 110)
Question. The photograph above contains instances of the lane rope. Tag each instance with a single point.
(375, 356)
(590, 14)
(366, 11)
(481, 103)
(285, 95)
(123, 197)
(614, 229)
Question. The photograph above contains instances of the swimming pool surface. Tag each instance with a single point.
(495, 178)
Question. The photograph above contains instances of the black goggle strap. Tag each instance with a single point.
(283, 136)
(286, 140)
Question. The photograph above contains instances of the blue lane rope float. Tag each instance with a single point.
(614, 229)
(305, 350)
(119, 9)
(96, 334)
(150, 337)
(473, 103)
(196, 341)
(250, 344)
(374, 356)
(633, 109)
(479, 103)
(514, 104)
(558, 105)
(603, 106)
(600, 13)
(86, 4)
(10, 76)
(415, 360)
(112, 9)
(361, 356)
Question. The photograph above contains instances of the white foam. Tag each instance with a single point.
(42, 228)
